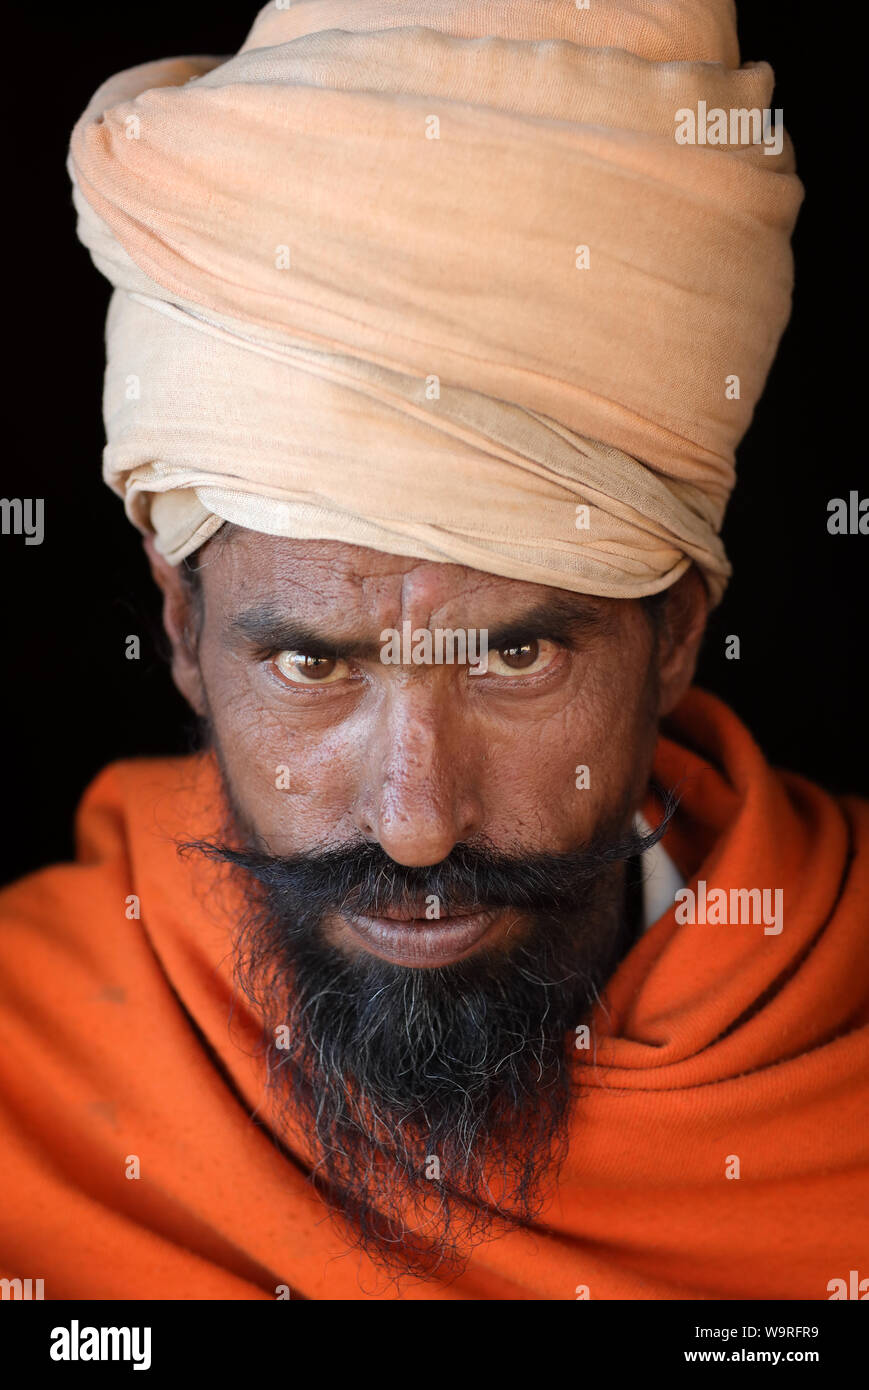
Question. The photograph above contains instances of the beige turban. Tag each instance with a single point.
(478, 281)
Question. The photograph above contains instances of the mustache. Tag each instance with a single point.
(361, 876)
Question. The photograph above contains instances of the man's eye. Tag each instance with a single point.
(303, 669)
(526, 658)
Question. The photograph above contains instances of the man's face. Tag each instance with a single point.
(434, 859)
(322, 743)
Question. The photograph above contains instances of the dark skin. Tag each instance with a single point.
(421, 758)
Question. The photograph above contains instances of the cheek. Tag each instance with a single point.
(618, 724)
(553, 783)
(291, 773)
(616, 742)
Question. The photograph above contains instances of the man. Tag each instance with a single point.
(477, 955)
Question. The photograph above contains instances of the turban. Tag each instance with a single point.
(473, 281)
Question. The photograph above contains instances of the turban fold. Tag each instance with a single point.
(438, 278)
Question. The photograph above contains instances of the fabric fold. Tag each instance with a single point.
(493, 278)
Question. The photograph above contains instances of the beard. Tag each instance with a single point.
(436, 1103)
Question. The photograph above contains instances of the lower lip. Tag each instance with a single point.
(422, 943)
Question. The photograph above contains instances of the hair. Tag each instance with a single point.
(655, 607)
(190, 570)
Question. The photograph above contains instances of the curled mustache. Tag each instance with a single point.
(363, 878)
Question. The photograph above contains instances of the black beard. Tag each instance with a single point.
(436, 1102)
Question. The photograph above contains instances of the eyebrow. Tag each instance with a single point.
(263, 628)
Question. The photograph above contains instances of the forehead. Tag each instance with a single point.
(322, 577)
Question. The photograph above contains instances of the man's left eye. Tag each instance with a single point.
(301, 668)
(525, 658)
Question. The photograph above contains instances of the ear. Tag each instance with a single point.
(683, 623)
(180, 621)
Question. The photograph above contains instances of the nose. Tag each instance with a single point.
(420, 791)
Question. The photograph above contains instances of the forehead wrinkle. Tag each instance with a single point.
(470, 589)
(312, 594)
(362, 592)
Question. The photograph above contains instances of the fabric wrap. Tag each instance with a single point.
(352, 300)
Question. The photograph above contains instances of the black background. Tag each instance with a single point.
(72, 700)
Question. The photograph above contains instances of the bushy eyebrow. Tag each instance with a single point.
(561, 618)
(263, 629)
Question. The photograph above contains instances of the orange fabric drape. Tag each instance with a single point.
(119, 1038)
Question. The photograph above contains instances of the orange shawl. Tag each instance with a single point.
(721, 1042)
